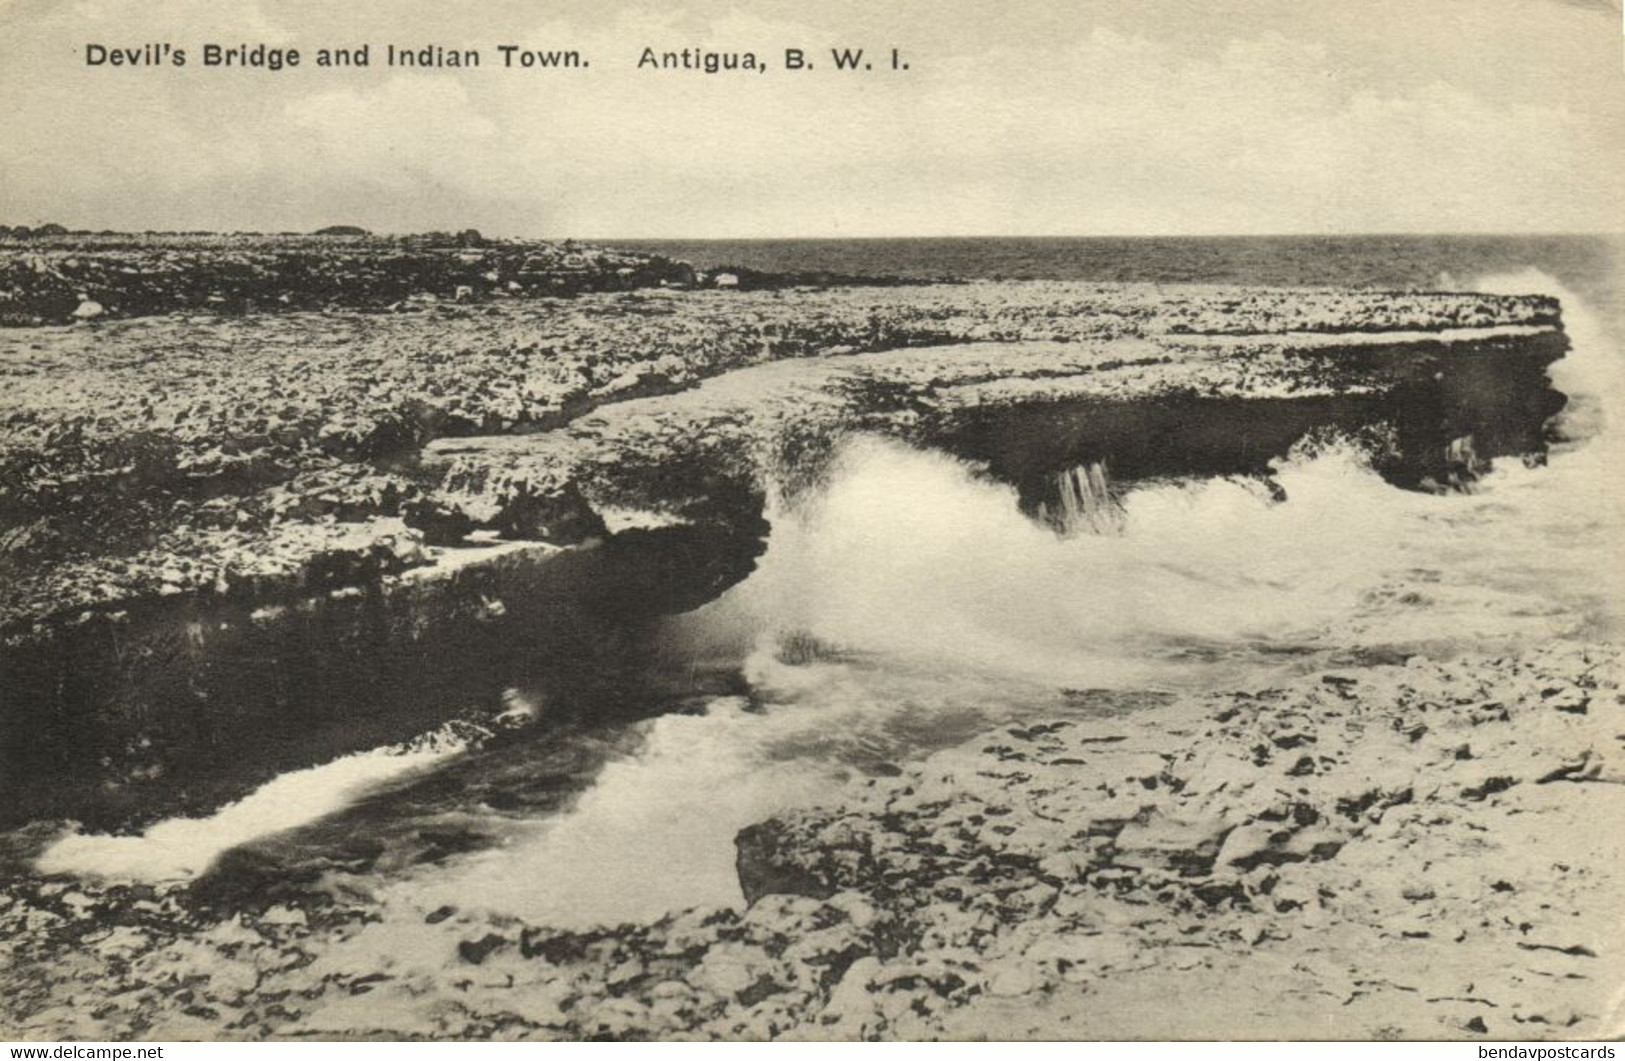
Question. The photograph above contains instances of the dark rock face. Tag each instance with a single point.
(1495, 394)
(182, 704)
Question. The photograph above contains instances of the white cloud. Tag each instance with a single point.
(408, 129)
(1134, 123)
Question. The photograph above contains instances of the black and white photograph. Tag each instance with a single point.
(751, 520)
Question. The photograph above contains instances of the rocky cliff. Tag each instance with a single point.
(185, 500)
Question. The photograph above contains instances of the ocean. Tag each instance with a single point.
(1584, 264)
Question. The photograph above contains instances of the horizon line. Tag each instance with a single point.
(1371, 234)
(1116, 235)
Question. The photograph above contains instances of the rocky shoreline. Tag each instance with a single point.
(1405, 851)
(182, 493)
(240, 540)
(214, 454)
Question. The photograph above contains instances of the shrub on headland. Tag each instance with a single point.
(50, 228)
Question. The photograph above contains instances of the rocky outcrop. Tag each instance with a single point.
(192, 446)
(1389, 852)
(208, 422)
(155, 473)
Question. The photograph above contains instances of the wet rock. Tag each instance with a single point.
(440, 522)
(1485, 782)
(769, 862)
(476, 951)
(1169, 842)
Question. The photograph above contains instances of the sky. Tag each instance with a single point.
(1017, 117)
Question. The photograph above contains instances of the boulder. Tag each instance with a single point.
(771, 861)
(560, 516)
